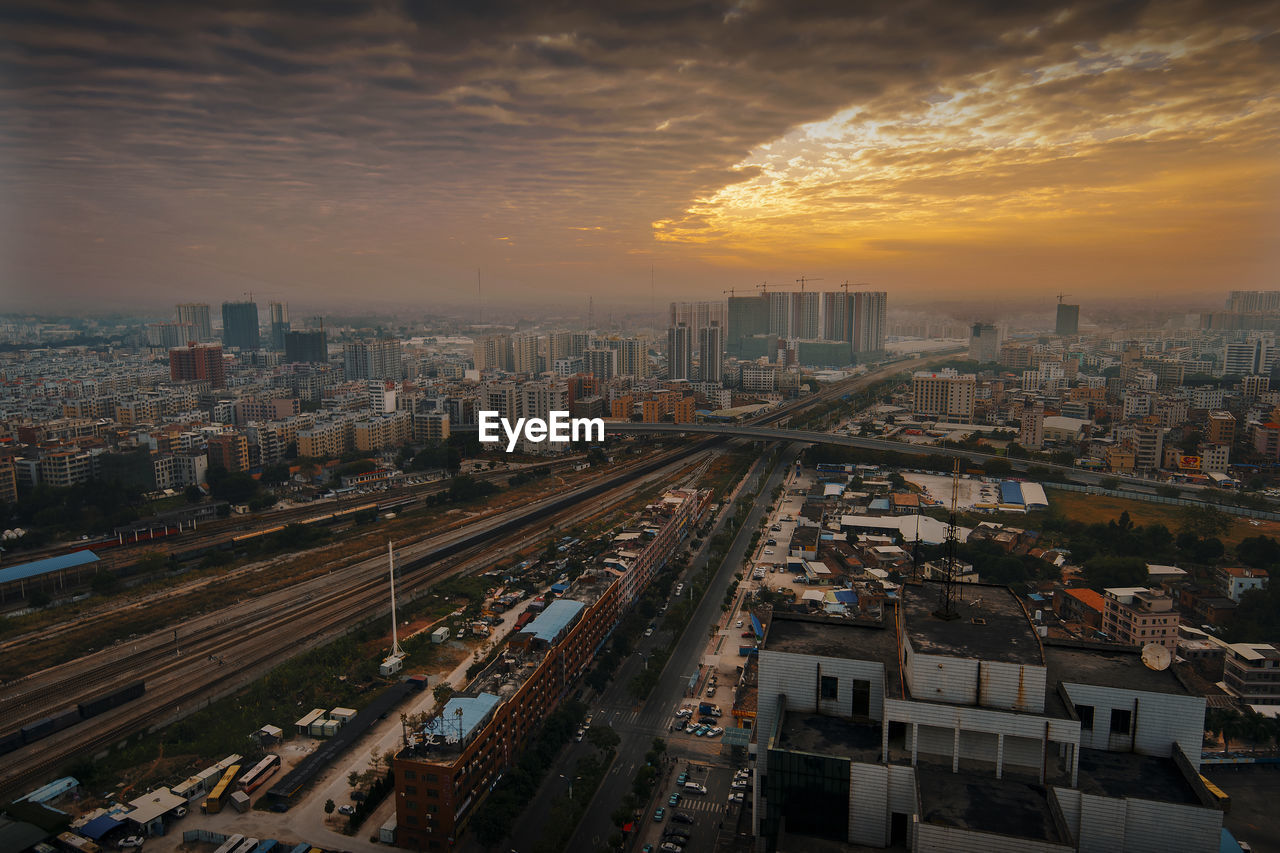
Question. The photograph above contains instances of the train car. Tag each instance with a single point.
(10, 742)
(218, 796)
(259, 773)
(94, 707)
(33, 732)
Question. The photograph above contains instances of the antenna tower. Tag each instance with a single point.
(395, 642)
(947, 596)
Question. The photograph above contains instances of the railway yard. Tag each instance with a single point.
(210, 635)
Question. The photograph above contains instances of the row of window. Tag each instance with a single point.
(1121, 719)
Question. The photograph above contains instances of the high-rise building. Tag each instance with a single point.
(748, 317)
(602, 363)
(197, 314)
(375, 358)
(1254, 302)
(1068, 321)
(279, 324)
(559, 345)
(1248, 358)
(711, 353)
(795, 314)
(944, 394)
(494, 352)
(240, 325)
(633, 357)
(1031, 428)
(197, 362)
(524, 352)
(698, 315)
(170, 335)
(679, 353)
(310, 346)
(984, 343)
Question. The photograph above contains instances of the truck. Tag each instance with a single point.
(706, 709)
(746, 651)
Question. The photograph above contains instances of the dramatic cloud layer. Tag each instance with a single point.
(335, 151)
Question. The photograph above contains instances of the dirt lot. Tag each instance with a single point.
(1102, 508)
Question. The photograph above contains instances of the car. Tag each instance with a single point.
(587, 722)
(648, 848)
(461, 633)
(744, 773)
(677, 835)
(681, 817)
(579, 734)
(771, 542)
(708, 720)
(739, 623)
(715, 731)
(776, 528)
(180, 811)
(711, 691)
(346, 809)
(670, 847)
(131, 841)
(697, 730)
(735, 798)
(695, 788)
(659, 814)
(748, 633)
(738, 784)
(768, 552)
(684, 712)
(674, 799)
(648, 632)
(680, 724)
(682, 778)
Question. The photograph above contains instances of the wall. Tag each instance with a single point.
(1109, 825)
(1162, 720)
(966, 681)
(955, 840)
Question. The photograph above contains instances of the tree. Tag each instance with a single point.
(1259, 551)
(329, 806)
(997, 467)
(193, 494)
(603, 738)
(1105, 571)
(443, 692)
(1204, 521)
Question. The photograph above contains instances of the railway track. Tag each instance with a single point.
(246, 642)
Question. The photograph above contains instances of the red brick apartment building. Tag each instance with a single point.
(450, 763)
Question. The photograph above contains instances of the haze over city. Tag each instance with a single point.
(335, 153)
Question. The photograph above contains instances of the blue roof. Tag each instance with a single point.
(880, 503)
(99, 826)
(756, 626)
(22, 571)
(559, 587)
(846, 596)
(1010, 492)
(553, 619)
(474, 710)
(53, 790)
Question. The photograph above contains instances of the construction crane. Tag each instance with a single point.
(848, 284)
(802, 281)
(1062, 296)
(733, 291)
(763, 287)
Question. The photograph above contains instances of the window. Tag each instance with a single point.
(411, 789)
(1120, 719)
(830, 687)
(409, 774)
(861, 698)
(1086, 716)
(412, 819)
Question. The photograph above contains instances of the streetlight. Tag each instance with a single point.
(570, 781)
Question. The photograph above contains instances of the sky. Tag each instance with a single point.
(340, 154)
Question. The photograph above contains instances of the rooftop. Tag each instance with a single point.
(835, 736)
(1106, 665)
(831, 637)
(978, 801)
(22, 571)
(1127, 774)
(992, 626)
(551, 622)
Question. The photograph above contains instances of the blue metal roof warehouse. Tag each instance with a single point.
(551, 623)
(34, 569)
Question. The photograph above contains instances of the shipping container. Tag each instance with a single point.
(440, 635)
(240, 802)
(387, 832)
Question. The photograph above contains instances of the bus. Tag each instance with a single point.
(230, 844)
(218, 796)
(261, 772)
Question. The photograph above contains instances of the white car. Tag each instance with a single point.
(346, 809)
(768, 552)
(739, 625)
(131, 841)
(684, 712)
(715, 731)
(735, 798)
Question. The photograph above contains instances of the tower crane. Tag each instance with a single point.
(1061, 296)
(802, 281)
(848, 284)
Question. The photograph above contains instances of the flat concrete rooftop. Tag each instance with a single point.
(1106, 665)
(1127, 774)
(832, 637)
(829, 736)
(992, 624)
(982, 803)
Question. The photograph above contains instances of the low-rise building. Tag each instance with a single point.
(1138, 616)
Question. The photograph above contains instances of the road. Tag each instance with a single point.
(638, 726)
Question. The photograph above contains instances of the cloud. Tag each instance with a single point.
(726, 134)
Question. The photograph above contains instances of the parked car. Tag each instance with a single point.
(677, 835)
(681, 817)
(669, 847)
(768, 552)
(748, 633)
(346, 809)
(682, 778)
(711, 691)
(738, 784)
(659, 814)
(739, 623)
(587, 722)
(715, 731)
(180, 811)
(684, 712)
(131, 841)
(674, 799)
(735, 798)
(648, 632)
(695, 788)
(579, 734)
(680, 724)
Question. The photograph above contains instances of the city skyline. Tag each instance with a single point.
(392, 154)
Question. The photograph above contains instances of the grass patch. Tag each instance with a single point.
(1099, 509)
